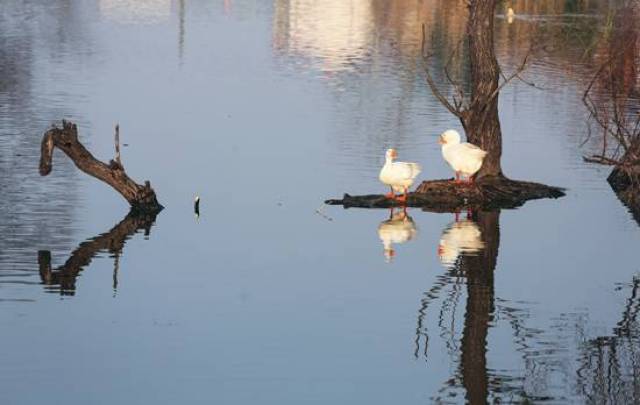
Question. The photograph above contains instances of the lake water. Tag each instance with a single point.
(265, 109)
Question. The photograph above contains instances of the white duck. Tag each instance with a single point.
(464, 158)
(459, 238)
(399, 176)
(399, 228)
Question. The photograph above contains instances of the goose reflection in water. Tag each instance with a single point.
(461, 237)
(399, 228)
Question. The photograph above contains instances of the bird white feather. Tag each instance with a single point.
(465, 158)
(399, 175)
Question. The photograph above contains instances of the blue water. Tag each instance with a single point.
(264, 110)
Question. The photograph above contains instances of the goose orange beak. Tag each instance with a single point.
(441, 141)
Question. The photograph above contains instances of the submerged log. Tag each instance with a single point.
(488, 193)
(142, 198)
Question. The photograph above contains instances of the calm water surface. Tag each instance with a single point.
(265, 109)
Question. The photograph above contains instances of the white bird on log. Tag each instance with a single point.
(399, 176)
(464, 158)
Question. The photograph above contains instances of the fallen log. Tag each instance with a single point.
(142, 198)
(489, 193)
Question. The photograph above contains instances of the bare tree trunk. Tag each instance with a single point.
(480, 121)
(142, 198)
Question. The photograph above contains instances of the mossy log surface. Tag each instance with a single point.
(489, 193)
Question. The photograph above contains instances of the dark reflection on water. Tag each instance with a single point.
(475, 242)
(608, 367)
(64, 277)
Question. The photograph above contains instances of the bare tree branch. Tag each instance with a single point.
(140, 197)
(434, 88)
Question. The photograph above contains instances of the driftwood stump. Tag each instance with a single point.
(488, 193)
(142, 198)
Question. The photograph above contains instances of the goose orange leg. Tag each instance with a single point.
(403, 197)
(457, 177)
(391, 195)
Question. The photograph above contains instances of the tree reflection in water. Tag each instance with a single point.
(610, 365)
(113, 241)
(607, 367)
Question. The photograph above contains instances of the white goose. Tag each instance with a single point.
(399, 176)
(399, 228)
(464, 158)
(459, 238)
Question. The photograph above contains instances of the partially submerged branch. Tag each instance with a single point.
(142, 198)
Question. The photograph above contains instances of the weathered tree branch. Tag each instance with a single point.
(457, 111)
(507, 79)
(610, 97)
(117, 142)
(142, 198)
(601, 159)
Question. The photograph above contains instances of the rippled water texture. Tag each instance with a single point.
(265, 109)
